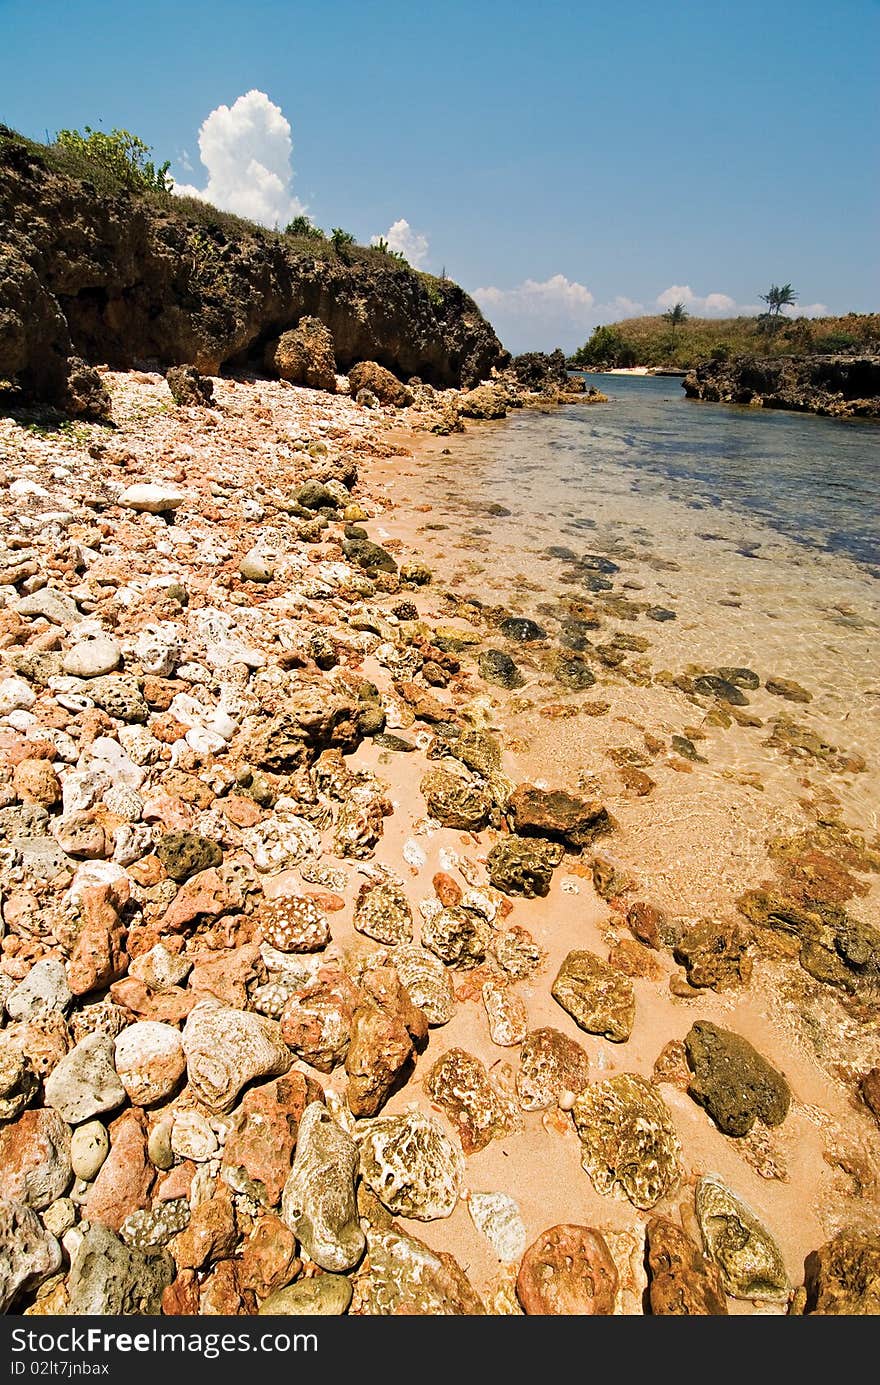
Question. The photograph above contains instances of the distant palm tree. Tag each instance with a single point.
(778, 297)
(674, 315)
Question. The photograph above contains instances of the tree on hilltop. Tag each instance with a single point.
(778, 297)
(675, 315)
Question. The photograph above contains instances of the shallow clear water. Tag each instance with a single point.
(813, 479)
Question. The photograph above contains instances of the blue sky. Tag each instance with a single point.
(564, 162)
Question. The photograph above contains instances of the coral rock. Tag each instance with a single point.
(567, 1271)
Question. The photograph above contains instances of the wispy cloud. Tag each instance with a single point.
(246, 149)
(413, 245)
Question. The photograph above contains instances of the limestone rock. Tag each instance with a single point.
(497, 1217)
(188, 387)
(259, 1148)
(150, 1061)
(34, 1159)
(123, 1182)
(520, 866)
(382, 911)
(91, 658)
(550, 1063)
(28, 1253)
(304, 355)
(256, 566)
(403, 1276)
(318, 1203)
(598, 997)
(460, 1084)
(187, 853)
(226, 1049)
(385, 1029)
(317, 1019)
(85, 393)
(843, 1276)
(484, 401)
(327, 1295)
(458, 936)
(716, 954)
(455, 802)
(89, 1147)
(506, 1011)
(749, 1259)
(154, 498)
(35, 781)
(310, 720)
(735, 1084)
(367, 375)
(268, 1258)
(683, 1283)
(568, 1271)
(210, 1234)
(109, 1278)
(85, 1083)
(628, 1138)
(556, 814)
(293, 923)
(18, 1081)
(43, 991)
(428, 982)
(411, 1164)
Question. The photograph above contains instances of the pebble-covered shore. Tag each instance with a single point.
(310, 1003)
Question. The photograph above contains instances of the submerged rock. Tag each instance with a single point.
(522, 630)
(318, 1203)
(498, 667)
(715, 953)
(628, 1138)
(749, 1259)
(557, 814)
(732, 1080)
(599, 998)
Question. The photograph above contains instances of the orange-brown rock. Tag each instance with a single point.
(259, 1148)
(316, 1022)
(646, 923)
(567, 1271)
(181, 1298)
(212, 1233)
(35, 781)
(225, 975)
(125, 1178)
(99, 956)
(268, 1259)
(682, 1281)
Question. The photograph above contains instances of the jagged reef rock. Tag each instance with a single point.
(304, 356)
(682, 1282)
(367, 375)
(412, 1165)
(841, 386)
(749, 1259)
(843, 1276)
(318, 1203)
(403, 1276)
(120, 278)
(628, 1138)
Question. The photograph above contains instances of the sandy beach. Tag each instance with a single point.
(247, 600)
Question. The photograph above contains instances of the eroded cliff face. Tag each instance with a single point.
(839, 386)
(123, 279)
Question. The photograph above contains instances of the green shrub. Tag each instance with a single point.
(304, 228)
(606, 347)
(121, 154)
(721, 352)
(341, 239)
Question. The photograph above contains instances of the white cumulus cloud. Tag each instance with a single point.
(712, 305)
(246, 149)
(412, 245)
(539, 315)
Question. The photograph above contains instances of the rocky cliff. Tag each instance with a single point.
(841, 386)
(120, 277)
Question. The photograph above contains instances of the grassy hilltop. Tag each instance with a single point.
(650, 341)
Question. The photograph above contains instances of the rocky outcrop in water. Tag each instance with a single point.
(121, 278)
(839, 386)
